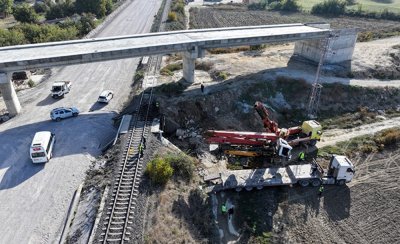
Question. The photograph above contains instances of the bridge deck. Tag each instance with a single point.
(101, 49)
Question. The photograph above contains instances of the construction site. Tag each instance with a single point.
(277, 143)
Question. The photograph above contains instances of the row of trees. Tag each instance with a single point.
(338, 7)
(327, 8)
(33, 33)
(27, 14)
(279, 5)
(29, 31)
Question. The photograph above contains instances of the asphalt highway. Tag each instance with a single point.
(34, 199)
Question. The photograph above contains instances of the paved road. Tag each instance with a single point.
(34, 199)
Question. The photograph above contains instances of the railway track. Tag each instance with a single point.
(120, 210)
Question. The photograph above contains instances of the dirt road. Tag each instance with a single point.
(331, 137)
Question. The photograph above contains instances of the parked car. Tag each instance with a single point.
(61, 113)
(105, 96)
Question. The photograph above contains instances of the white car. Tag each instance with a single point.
(105, 96)
(61, 113)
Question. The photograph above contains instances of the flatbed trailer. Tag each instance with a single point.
(340, 171)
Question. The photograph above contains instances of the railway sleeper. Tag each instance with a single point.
(117, 228)
(122, 203)
(118, 223)
(114, 240)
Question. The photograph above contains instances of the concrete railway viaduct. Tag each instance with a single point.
(192, 43)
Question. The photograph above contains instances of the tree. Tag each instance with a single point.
(6, 6)
(25, 13)
(98, 7)
(86, 23)
(11, 37)
(60, 10)
(329, 8)
(46, 33)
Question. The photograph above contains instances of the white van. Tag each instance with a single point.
(42, 146)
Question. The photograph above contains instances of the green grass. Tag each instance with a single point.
(367, 5)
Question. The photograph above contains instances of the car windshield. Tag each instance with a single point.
(38, 155)
(56, 88)
(102, 97)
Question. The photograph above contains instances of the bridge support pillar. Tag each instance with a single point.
(189, 62)
(9, 95)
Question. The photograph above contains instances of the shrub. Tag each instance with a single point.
(172, 16)
(221, 50)
(159, 171)
(178, 6)
(31, 83)
(172, 88)
(388, 137)
(11, 37)
(139, 75)
(258, 6)
(204, 65)
(329, 8)
(258, 47)
(182, 164)
(222, 75)
(170, 68)
(46, 33)
(25, 13)
(286, 5)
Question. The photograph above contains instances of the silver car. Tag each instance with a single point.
(61, 113)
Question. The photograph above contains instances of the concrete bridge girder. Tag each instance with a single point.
(192, 43)
(9, 95)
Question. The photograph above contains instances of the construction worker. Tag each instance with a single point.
(202, 88)
(223, 208)
(302, 156)
(144, 142)
(230, 212)
(320, 190)
(141, 150)
(313, 169)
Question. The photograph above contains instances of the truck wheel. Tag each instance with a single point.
(341, 182)
(58, 119)
(316, 183)
(304, 183)
(313, 142)
(238, 189)
(248, 188)
(75, 114)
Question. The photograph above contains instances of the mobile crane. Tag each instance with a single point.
(308, 133)
(275, 142)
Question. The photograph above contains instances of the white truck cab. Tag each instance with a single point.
(340, 169)
(284, 149)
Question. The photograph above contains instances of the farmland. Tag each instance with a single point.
(366, 5)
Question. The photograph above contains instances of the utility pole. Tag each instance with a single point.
(313, 103)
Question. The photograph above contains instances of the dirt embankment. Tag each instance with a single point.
(229, 104)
